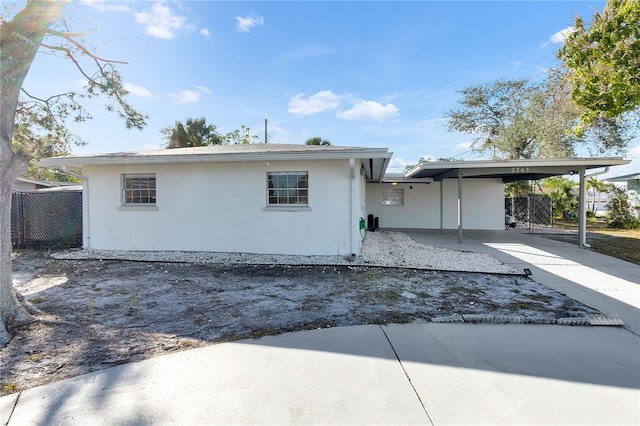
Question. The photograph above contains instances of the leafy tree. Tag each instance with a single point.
(41, 146)
(516, 119)
(316, 140)
(497, 114)
(603, 59)
(194, 132)
(240, 136)
(39, 25)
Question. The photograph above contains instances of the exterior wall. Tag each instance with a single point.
(222, 207)
(482, 207)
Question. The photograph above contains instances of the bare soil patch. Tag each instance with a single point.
(97, 314)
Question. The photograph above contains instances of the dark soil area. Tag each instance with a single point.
(97, 314)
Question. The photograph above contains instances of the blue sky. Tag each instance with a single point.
(359, 73)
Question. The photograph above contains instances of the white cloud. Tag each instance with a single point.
(305, 51)
(462, 145)
(186, 96)
(245, 23)
(369, 111)
(205, 33)
(103, 6)
(137, 90)
(204, 89)
(397, 165)
(321, 101)
(560, 36)
(162, 22)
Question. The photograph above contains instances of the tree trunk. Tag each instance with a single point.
(20, 39)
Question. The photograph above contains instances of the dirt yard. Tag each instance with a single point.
(97, 314)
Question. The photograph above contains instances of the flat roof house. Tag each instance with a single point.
(288, 199)
(255, 198)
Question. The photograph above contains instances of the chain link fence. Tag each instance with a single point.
(530, 211)
(46, 219)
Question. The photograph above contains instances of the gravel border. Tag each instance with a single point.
(381, 248)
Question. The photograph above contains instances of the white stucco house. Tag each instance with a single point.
(256, 198)
(285, 199)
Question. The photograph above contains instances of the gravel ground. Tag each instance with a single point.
(382, 248)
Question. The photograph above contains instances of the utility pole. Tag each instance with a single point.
(265, 130)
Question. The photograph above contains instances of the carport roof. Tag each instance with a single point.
(509, 170)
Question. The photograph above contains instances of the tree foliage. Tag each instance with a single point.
(193, 132)
(316, 140)
(507, 118)
(623, 209)
(40, 146)
(39, 25)
(595, 187)
(516, 119)
(196, 132)
(564, 195)
(240, 136)
(604, 60)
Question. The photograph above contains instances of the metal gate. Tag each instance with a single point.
(46, 219)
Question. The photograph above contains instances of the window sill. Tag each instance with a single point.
(286, 209)
(138, 208)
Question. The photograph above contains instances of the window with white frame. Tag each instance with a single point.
(288, 188)
(139, 189)
(393, 197)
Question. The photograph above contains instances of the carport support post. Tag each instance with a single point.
(459, 206)
(441, 207)
(582, 210)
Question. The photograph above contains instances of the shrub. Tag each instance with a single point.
(623, 210)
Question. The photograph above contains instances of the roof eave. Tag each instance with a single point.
(381, 153)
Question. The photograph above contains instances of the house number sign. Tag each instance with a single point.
(519, 170)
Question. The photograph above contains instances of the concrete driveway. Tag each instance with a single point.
(399, 374)
(609, 284)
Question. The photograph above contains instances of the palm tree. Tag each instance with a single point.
(194, 132)
(563, 194)
(596, 188)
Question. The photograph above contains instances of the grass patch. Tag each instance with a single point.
(391, 295)
(37, 299)
(620, 243)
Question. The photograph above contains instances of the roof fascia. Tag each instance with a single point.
(479, 168)
(381, 153)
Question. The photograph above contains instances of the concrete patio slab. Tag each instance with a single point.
(522, 374)
(335, 376)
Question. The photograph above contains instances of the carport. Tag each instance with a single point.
(510, 171)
